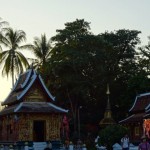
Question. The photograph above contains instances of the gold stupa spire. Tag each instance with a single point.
(108, 119)
(108, 102)
(107, 92)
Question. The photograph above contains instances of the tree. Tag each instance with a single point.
(41, 49)
(12, 60)
(116, 132)
(76, 70)
(67, 64)
(82, 64)
(72, 32)
(124, 43)
(122, 65)
(144, 59)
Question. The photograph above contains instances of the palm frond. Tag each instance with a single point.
(3, 56)
(27, 47)
(6, 68)
(4, 41)
(22, 59)
(0, 49)
(18, 66)
(20, 36)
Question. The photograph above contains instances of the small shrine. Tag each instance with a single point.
(29, 112)
(108, 119)
(138, 121)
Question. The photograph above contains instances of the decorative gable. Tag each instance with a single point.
(139, 109)
(24, 89)
(141, 102)
(35, 95)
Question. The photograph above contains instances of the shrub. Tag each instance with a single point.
(111, 135)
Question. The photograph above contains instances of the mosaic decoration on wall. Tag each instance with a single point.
(9, 126)
(52, 126)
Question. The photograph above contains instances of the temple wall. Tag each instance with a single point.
(9, 128)
(22, 129)
(53, 123)
(135, 130)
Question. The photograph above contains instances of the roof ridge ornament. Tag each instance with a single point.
(108, 91)
(31, 66)
(108, 107)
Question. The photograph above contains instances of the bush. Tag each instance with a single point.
(111, 135)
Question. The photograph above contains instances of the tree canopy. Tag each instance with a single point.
(81, 65)
(77, 65)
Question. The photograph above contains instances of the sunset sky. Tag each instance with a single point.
(36, 17)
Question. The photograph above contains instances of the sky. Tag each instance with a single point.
(36, 17)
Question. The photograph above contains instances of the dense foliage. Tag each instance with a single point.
(112, 134)
(82, 64)
(77, 65)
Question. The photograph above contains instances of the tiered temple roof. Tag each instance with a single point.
(28, 84)
(23, 85)
(139, 110)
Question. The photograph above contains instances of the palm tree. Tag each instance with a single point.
(12, 60)
(41, 49)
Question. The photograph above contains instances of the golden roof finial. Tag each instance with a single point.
(107, 92)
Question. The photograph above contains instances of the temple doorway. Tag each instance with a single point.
(39, 128)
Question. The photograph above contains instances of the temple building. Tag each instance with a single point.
(108, 119)
(138, 121)
(29, 112)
